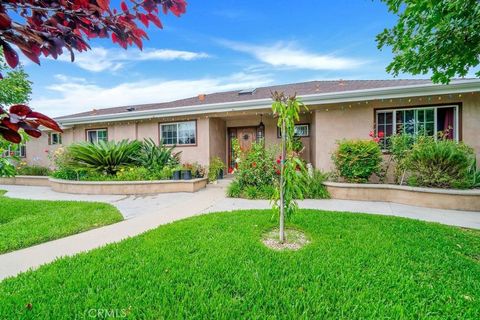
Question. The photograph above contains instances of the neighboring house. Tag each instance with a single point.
(202, 127)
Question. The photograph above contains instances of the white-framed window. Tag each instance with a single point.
(54, 138)
(21, 151)
(96, 135)
(179, 133)
(427, 121)
(301, 130)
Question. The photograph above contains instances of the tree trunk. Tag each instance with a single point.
(282, 187)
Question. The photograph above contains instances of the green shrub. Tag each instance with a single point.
(474, 174)
(257, 167)
(7, 169)
(33, 171)
(234, 190)
(251, 192)
(357, 160)
(133, 174)
(400, 146)
(105, 156)
(154, 157)
(440, 164)
(69, 173)
(216, 166)
(266, 192)
(315, 188)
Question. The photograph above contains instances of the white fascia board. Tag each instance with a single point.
(460, 86)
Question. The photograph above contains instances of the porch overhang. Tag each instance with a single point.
(455, 87)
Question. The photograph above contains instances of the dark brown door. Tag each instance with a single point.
(246, 136)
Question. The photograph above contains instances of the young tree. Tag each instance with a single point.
(14, 87)
(48, 27)
(292, 170)
(441, 37)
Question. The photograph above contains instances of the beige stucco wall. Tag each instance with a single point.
(471, 122)
(328, 124)
(218, 139)
(127, 130)
(355, 120)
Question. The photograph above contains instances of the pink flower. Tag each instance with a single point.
(372, 133)
(381, 134)
(376, 139)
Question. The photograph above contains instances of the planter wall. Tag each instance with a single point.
(26, 181)
(127, 187)
(468, 200)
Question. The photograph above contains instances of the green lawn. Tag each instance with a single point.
(214, 266)
(24, 223)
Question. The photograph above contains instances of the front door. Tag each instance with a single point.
(246, 136)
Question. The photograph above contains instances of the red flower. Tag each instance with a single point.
(279, 161)
(376, 139)
(372, 133)
(381, 134)
(277, 172)
(12, 153)
(230, 170)
(254, 164)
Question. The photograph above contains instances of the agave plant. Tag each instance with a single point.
(155, 157)
(104, 156)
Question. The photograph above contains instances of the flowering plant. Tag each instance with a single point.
(255, 167)
(377, 138)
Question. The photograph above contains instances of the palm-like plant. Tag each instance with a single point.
(104, 156)
(155, 157)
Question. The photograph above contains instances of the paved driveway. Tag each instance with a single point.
(143, 213)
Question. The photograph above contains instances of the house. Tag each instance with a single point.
(203, 127)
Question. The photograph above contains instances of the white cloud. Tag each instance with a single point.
(291, 55)
(102, 59)
(72, 95)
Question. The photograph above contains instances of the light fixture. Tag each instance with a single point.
(261, 129)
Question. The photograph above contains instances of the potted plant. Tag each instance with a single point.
(186, 173)
(215, 170)
(177, 173)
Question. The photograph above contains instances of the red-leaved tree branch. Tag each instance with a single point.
(49, 28)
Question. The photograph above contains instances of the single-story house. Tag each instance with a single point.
(203, 127)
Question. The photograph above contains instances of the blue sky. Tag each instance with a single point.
(218, 46)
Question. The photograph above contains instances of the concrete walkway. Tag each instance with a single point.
(143, 213)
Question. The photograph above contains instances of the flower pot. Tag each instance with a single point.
(177, 175)
(220, 174)
(187, 174)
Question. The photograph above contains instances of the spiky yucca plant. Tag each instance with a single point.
(104, 156)
(155, 157)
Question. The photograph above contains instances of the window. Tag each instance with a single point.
(179, 133)
(301, 130)
(54, 138)
(21, 151)
(96, 135)
(427, 121)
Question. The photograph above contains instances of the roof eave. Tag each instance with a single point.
(460, 86)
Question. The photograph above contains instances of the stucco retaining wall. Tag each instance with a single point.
(26, 181)
(127, 187)
(468, 200)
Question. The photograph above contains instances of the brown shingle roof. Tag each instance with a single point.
(303, 88)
